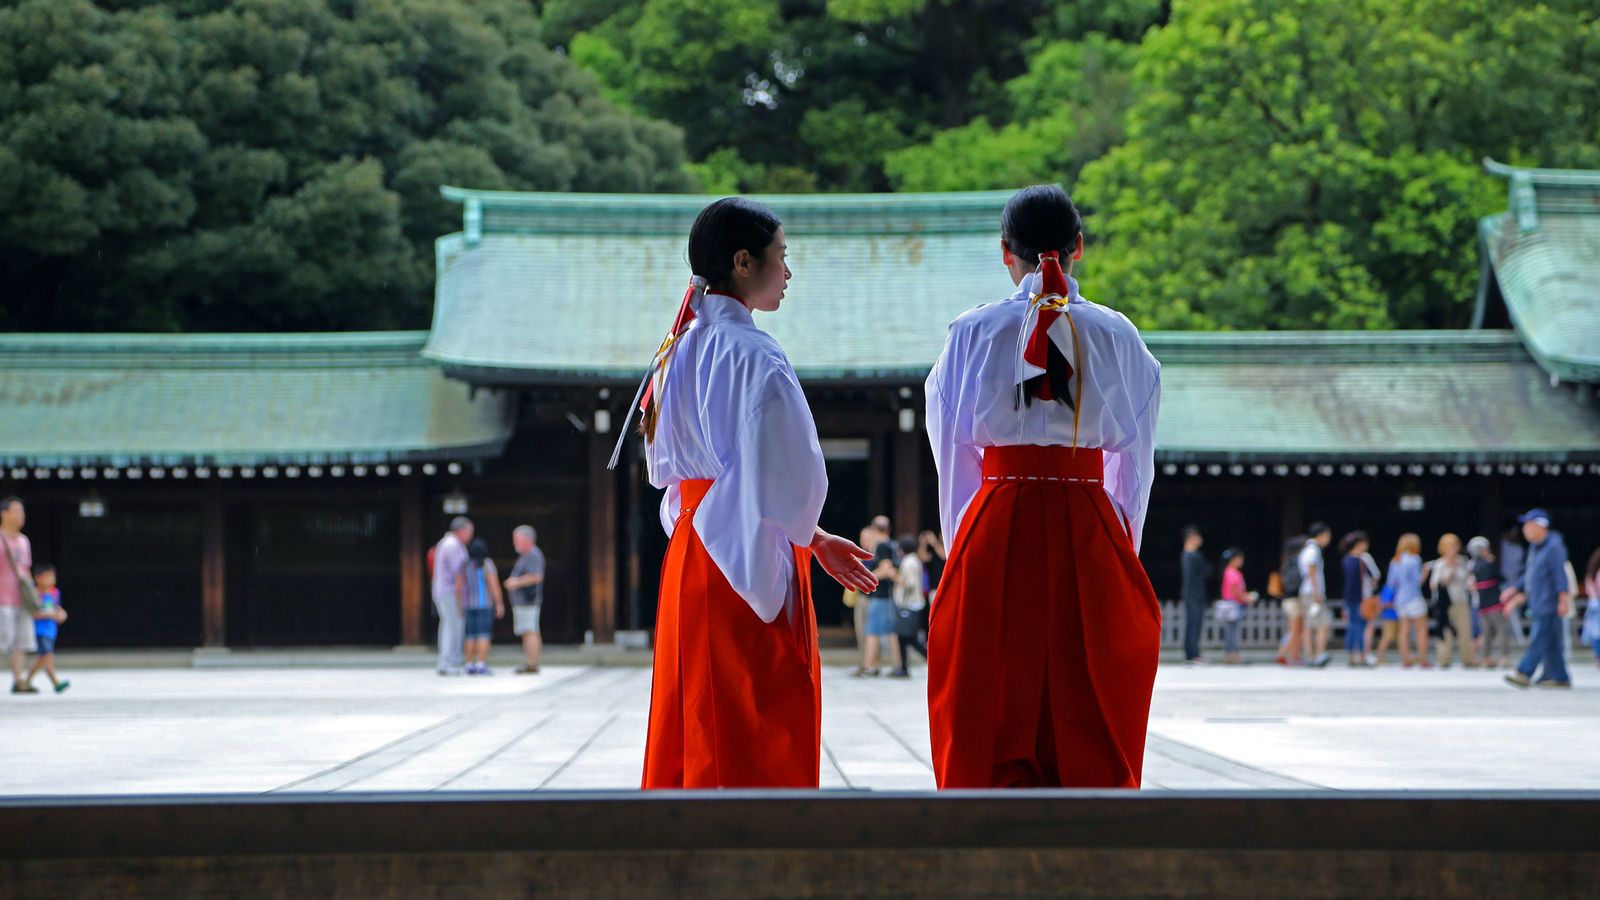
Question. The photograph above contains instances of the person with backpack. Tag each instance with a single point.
(909, 602)
(1291, 652)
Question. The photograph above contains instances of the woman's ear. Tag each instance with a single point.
(743, 262)
(1005, 252)
(1077, 250)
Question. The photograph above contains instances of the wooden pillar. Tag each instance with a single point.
(635, 526)
(1294, 508)
(412, 562)
(602, 538)
(1490, 511)
(876, 490)
(213, 569)
(907, 482)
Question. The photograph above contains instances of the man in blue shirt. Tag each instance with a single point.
(1544, 587)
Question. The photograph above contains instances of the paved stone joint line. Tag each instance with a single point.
(586, 745)
(501, 749)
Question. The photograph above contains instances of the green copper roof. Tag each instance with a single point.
(1545, 254)
(559, 286)
(1422, 396)
(164, 400)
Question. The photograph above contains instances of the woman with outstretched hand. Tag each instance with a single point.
(736, 699)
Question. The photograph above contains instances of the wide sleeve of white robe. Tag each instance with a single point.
(972, 401)
(767, 499)
(732, 412)
(957, 459)
(1131, 468)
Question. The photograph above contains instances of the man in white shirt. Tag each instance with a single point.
(1314, 594)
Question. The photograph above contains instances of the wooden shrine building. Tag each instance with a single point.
(271, 490)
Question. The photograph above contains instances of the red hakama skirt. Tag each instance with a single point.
(735, 701)
(1044, 633)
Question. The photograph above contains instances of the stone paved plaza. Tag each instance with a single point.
(183, 730)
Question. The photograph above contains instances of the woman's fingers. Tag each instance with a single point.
(854, 576)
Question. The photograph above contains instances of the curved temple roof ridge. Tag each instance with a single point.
(1542, 258)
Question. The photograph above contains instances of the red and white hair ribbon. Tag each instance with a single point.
(645, 398)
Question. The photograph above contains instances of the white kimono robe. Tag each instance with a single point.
(731, 410)
(972, 401)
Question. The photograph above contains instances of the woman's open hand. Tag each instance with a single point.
(842, 560)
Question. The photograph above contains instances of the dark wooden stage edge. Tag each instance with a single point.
(806, 844)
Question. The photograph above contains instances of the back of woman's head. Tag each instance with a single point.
(723, 229)
(478, 550)
(1592, 570)
(1350, 541)
(907, 543)
(1293, 546)
(1040, 218)
(1408, 543)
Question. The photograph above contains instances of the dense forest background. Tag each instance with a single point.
(200, 165)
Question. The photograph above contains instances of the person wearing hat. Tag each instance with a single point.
(1543, 586)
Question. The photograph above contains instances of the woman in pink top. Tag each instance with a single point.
(1230, 610)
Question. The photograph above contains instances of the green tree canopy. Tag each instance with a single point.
(794, 95)
(275, 164)
(1315, 163)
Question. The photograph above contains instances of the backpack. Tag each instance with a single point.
(1289, 572)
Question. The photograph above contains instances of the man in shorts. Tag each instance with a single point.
(1314, 594)
(526, 586)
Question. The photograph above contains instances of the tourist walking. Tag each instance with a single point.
(1043, 642)
(1452, 580)
(909, 602)
(449, 563)
(1543, 586)
(46, 628)
(736, 690)
(19, 599)
(1361, 604)
(876, 532)
(884, 566)
(1314, 594)
(1496, 639)
(1195, 571)
(481, 604)
(1230, 609)
(1405, 579)
(526, 586)
(1591, 613)
(1291, 582)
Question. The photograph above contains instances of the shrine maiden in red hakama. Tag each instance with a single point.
(1043, 638)
(736, 697)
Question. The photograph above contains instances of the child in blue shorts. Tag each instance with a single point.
(481, 603)
(46, 625)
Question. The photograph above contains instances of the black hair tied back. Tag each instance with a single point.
(1040, 218)
(722, 230)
